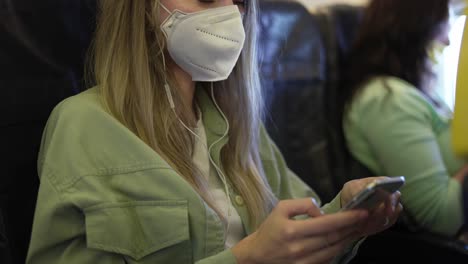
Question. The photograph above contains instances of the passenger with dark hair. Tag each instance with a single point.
(392, 119)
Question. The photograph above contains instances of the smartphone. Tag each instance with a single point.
(375, 193)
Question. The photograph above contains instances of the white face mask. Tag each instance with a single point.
(205, 44)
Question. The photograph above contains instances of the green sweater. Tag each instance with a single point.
(106, 197)
(394, 130)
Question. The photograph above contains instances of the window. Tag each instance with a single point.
(448, 69)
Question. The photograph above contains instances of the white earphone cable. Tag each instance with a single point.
(220, 172)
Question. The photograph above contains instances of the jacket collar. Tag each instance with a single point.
(212, 120)
(214, 123)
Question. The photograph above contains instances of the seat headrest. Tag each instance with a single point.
(291, 46)
(343, 21)
(57, 33)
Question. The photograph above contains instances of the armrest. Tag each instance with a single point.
(399, 245)
(408, 241)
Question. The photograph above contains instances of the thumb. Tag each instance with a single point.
(305, 206)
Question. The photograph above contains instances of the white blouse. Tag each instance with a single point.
(234, 229)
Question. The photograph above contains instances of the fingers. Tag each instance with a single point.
(396, 214)
(394, 199)
(308, 246)
(329, 223)
(315, 210)
(353, 187)
(387, 214)
(388, 205)
(291, 208)
(327, 254)
(391, 204)
(399, 208)
(330, 239)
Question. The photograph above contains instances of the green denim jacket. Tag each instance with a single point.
(106, 197)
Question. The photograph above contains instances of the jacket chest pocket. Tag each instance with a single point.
(141, 231)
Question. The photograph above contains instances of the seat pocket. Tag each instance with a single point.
(140, 228)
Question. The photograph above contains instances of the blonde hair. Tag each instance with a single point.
(128, 70)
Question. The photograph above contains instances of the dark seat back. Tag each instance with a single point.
(293, 68)
(42, 47)
(301, 56)
(339, 27)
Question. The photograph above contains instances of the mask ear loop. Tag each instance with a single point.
(172, 105)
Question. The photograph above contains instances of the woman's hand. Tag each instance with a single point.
(281, 239)
(380, 218)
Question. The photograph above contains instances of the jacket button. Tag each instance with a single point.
(239, 200)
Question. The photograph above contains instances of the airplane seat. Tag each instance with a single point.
(42, 44)
(300, 72)
(306, 126)
(292, 60)
(339, 27)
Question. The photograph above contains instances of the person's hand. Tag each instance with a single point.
(380, 218)
(461, 175)
(282, 239)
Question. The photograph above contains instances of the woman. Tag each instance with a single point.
(393, 122)
(165, 160)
